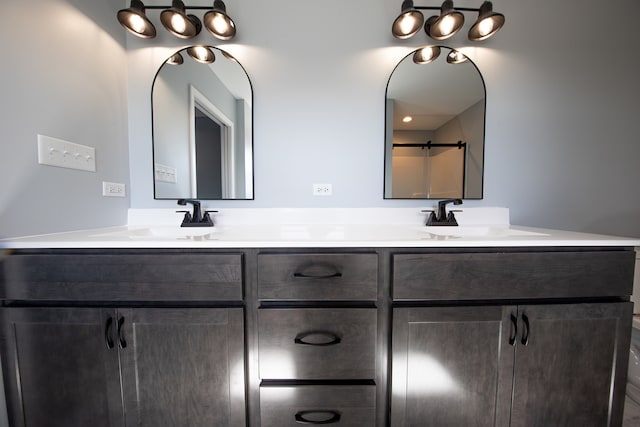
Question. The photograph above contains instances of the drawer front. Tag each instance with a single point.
(464, 276)
(318, 276)
(317, 343)
(123, 277)
(291, 406)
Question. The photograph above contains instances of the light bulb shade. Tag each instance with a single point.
(447, 24)
(408, 23)
(488, 23)
(201, 54)
(218, 23)
(135, 20)
(456, 57)
(426, 54)
(176, 59)
(178, 23)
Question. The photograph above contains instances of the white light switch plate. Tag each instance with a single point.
(166, 173)
(65, 154)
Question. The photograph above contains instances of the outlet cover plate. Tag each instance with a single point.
(322, 190)
(113, 189)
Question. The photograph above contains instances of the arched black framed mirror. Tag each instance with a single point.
(434, 130)
(202, 127)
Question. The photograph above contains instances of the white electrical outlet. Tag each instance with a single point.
(322, 190)
(113, 189)
(65, 154)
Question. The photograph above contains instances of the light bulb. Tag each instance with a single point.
(178, 23)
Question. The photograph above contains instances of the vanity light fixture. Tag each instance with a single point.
(456, 57)
(448, 22)
(426, 54)
(409, 22)
(176, 59)
(218, 23)
(135, 20)
(178, 23)
(487, 24)
(201, 54)
(176, 20)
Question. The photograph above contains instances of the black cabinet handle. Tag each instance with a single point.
(121, 340)
(525, 334)
(107, 333)
(317, 276)
(330, 338)
(332, 417)
(514, 323)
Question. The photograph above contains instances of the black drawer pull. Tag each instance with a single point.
(327, 338)
(317, 276)
(122, 341)
(514, 323)
(332, 417)
(107, 333)
(525, 334)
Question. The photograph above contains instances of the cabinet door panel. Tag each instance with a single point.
(58, 368)
(566, 375)
(451, 366)
(183, 367)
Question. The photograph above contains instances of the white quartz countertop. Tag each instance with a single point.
(300, 228)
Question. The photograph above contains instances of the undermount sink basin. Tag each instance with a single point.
(479, 231)
(161, 232)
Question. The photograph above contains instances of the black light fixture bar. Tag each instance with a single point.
(186, 7)
(460, 145)
(216, 20)
(448, 22)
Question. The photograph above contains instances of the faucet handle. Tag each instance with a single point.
(187, 217)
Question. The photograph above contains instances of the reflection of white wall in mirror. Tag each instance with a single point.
(445, 172)
(468, 127)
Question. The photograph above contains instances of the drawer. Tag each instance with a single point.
(317, 343)
(345, 276)
(123, 277)
(291, 406)
(465, 276)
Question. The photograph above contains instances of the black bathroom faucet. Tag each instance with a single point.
(197, 218)
(441, 217)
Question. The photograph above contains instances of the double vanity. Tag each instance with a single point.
(342, 317)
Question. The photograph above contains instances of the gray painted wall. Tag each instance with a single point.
(63, 75)
(562, 124)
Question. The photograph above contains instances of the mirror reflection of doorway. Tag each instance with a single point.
(208, 135)
(212, 150)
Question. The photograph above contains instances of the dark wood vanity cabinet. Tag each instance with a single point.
(118, 360)
(507, 359)
(356, 337)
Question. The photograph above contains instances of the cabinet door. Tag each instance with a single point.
(61, 367)
(183, 367)
(452, 366)
(573, 369)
